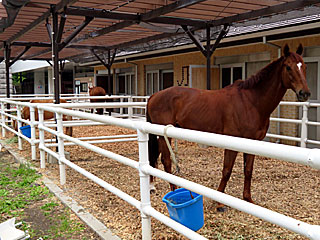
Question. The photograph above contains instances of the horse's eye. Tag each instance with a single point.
(288, 68)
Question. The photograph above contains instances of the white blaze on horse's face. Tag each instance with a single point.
(299, 65)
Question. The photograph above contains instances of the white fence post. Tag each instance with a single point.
(62, 166)
(121, 109)
(3, 119)
(130, 111)
(41, 137)
(19, 124)
(304, 126)
(33, 133)
(144, 184)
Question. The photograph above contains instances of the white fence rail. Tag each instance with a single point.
(304, 156)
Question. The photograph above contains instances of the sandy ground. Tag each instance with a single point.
(287, 188)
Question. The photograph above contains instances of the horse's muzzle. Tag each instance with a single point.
(303, 95)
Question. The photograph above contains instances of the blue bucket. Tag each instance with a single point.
(26, 130)
(185, 210)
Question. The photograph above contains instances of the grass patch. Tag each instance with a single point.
(23, 197)
(12, 140)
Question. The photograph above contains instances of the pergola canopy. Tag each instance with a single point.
(124, 25)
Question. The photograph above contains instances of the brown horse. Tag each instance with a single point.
(242, 109)
(25, 114)
(97, 91)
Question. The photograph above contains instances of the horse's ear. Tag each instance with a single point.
(300, 49)
(286, 50)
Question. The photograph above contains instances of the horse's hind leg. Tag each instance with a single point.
(165, 158)
(153, 149)
(229, 159)
(248, 168)
(69, 131)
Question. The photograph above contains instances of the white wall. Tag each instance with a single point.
(21, 66)
(39, 82)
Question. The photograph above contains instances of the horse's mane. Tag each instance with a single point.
(258, 77)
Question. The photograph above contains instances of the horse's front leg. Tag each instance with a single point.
(165, 158)
(248, 169)
(229, 159)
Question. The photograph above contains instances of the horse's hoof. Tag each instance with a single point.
(221, 209)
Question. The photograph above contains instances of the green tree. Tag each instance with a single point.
(18, 78)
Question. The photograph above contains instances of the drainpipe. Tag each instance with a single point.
(136, 74)
(130, 109)
(264, 39)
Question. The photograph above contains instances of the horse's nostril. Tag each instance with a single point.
(304, 94)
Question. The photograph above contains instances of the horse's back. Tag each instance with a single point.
(47, 115)
(46, 101)
(164, 106)
(224, 111)
(97, 91)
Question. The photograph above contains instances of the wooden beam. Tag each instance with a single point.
(66, 41)
(49, 29)
(223, 33)
(61, 27)
(75, 33)
(195, 40)
(39, 20)
(19, 56)
(48, 45)
(168, 8)
(143, 17)
(98, 13)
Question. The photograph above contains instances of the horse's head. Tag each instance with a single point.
(294, 73)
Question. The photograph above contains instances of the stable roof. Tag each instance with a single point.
(121, 24)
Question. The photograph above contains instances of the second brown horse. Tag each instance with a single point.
(242, 109)
(25, 114)
(97, 91)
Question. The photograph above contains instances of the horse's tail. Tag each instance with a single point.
(153, 147)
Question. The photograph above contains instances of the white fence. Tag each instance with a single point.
(133, 109)
(309, 157)
(304, 123)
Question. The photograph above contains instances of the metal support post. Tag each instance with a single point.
(3, 119)
(41, 137)
(144, 184)
(7, 53)
(208, 56)
(62, 166)
(55, 54)
(304, 127)
(33, 133)
(19, 124)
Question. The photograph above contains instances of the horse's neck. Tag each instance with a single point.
(269, 92)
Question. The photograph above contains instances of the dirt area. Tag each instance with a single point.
(23, 196)
(287, 188)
